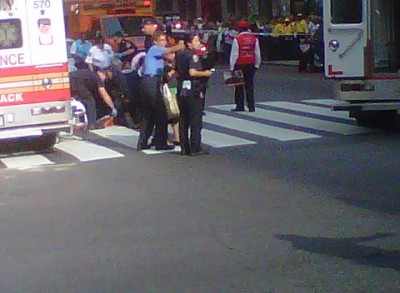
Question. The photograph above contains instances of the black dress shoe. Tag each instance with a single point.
(184, 153)
(165, 148)
(143, 147)
(237, 110)
(252, 109)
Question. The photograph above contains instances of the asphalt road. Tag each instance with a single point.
(317, 214)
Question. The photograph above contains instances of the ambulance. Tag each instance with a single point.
(35, 98)
(108, 17)
(362, 55)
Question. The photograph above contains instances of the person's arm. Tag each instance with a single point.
(89, 60)
(234, 54)
(258, 54)
(101, 77)
(106, 97)
(179, 47)
(196, 73)
(72, 50)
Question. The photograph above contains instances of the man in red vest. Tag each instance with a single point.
(245, 56)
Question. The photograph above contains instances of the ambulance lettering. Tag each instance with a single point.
(12, 59)
(11, 98)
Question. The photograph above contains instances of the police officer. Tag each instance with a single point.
(191, 84)
(149, 26)
(245, 56)
(100, 55)
(126, 50)
(154, 112)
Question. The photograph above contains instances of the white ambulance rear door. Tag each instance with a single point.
(345, 35)
(14, 35)
(46, 31)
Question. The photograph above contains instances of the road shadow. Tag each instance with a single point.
(348, 248)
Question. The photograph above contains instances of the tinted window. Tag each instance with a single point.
(346, 11)
(128, 25)
(10, 34)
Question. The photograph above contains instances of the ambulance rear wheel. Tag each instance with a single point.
(46, 142)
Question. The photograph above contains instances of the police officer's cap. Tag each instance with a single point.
(148, 20)
(118, 34)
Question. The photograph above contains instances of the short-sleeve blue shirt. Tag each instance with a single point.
(154, 61)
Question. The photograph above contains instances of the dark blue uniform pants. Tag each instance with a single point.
(191, 118)
(154, 113)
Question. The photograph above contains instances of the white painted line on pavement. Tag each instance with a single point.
(26, 161)
(302, 121)
(86, 151)
(324, 102)
(255, 128)
(222, 140)
(119, 134)
(308, 109)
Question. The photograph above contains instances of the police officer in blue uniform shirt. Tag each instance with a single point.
(126, 50)
(154, 112)
(192, 80)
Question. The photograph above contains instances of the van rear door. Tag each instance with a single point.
(345, 35)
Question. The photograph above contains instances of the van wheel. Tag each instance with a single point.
(46, 142)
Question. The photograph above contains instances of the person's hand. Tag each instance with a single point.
(208, 73)
(119, 55)
(114, 112)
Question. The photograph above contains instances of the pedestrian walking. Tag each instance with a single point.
(154, 112)
(245, 56)
(190, 86)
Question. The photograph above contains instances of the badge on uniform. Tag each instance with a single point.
(195, 58)
(186, 88)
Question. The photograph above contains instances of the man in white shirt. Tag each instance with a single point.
(245, 56)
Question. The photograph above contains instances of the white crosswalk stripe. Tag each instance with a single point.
(301, 121)
(25, 161)
(255, 128)
(327, 112)
(323, 102)
(307, 114)
(87, 151)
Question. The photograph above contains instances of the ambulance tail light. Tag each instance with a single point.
(146, 3)
(37, 111)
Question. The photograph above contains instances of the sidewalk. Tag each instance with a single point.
(282, 62)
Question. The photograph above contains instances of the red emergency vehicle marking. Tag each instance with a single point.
(34, 97)
(12, 59)
(11, 98)
(332, 72)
